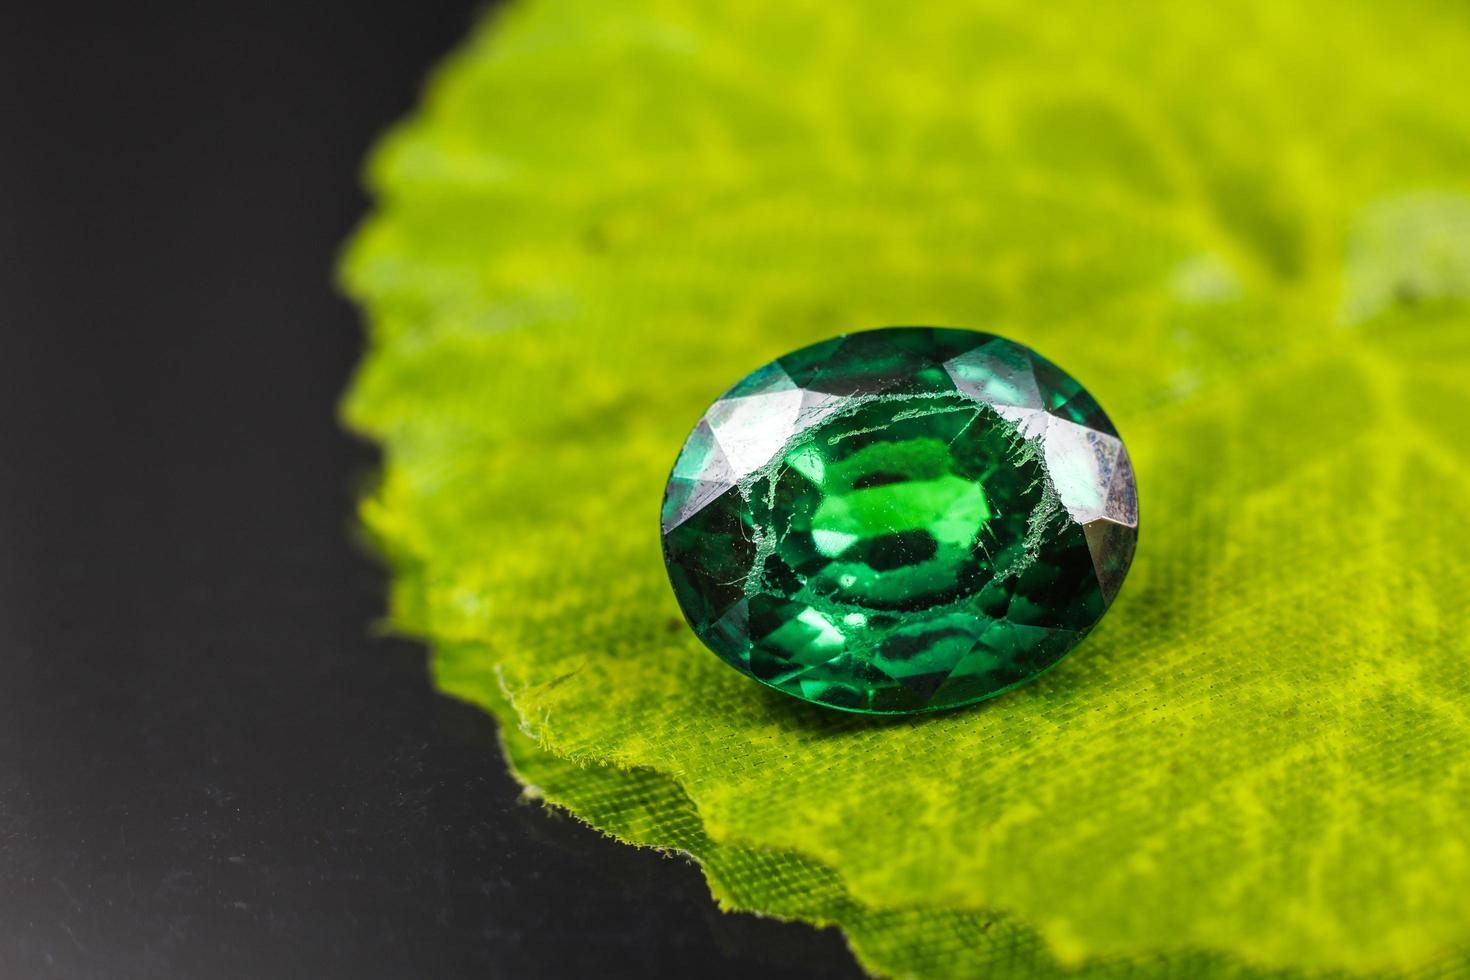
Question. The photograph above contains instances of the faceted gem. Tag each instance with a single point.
(901, 520)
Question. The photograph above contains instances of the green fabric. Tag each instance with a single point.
(647, 808)
(643, 807)
(1243, 227)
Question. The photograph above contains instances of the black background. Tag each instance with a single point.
(209, 766)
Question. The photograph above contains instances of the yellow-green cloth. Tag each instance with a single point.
(1245, 227)
(643, 807)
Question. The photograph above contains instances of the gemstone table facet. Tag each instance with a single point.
(900, 520)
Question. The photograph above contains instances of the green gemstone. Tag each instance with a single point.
(901, 520)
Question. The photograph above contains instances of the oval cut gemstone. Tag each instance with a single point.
(900, 520)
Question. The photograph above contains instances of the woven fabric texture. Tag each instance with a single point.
(1246, 228)
(642, 807)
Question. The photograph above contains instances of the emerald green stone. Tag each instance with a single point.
(901, 520)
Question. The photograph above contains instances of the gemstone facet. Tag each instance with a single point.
(900, 520)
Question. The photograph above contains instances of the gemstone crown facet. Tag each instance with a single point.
(900, 520)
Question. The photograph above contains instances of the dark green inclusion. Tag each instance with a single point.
(872, 523)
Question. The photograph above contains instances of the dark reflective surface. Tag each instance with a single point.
(208, 765)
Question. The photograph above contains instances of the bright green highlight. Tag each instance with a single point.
(1241, 225)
